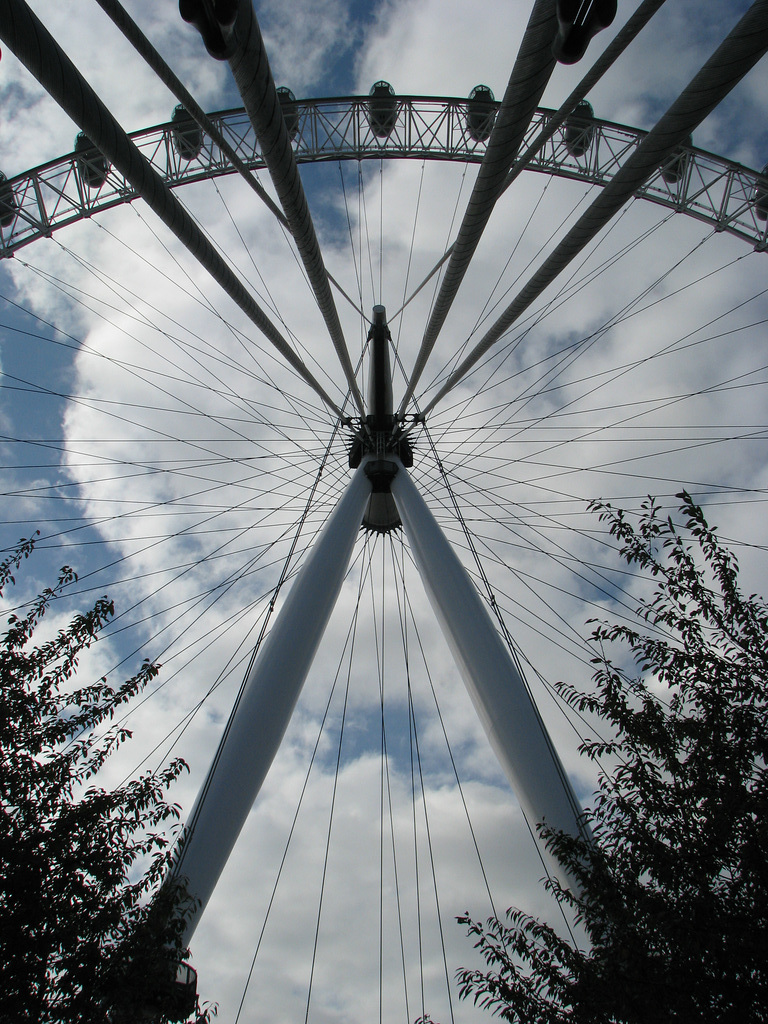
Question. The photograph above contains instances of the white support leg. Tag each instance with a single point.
(258, 722)
(511, 720)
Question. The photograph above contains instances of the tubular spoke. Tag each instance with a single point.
(742, 49)
(533, 67)
(244, 49)
(38, 50)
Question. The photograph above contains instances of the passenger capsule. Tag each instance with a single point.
(93, 165)
(382, 109)
(760, 196)
(187, 134)
(673, 170)
(481, 113)
(579, 129)
(184, 996)
(290, 111)
(8, 204)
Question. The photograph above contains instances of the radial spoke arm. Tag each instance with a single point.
(621, 41)
(736, 55)
(115, 10)
(243, 47)
(606, 60)
(43, 57)
(530, 74)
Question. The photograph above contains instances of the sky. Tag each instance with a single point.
(161, 449)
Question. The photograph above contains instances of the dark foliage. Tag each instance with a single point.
(673, 896)
(86, 933)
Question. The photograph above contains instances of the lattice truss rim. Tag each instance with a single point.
(725, 194)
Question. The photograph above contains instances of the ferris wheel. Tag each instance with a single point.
(256, 472)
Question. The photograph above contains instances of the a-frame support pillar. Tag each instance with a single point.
(260, 718)
(261, 715)
(511, 720)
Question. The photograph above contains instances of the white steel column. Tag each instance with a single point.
(510, 718)
(259, 720)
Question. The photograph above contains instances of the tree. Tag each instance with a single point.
(87, 931)
(673, 893)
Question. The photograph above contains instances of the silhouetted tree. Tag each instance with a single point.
(87, 934)
(673, 896)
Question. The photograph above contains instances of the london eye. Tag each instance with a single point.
(361, 265)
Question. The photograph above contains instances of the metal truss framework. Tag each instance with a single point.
(34, 204)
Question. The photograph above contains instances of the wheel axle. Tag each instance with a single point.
(380, 434)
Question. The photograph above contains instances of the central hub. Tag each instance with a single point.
(379, 434)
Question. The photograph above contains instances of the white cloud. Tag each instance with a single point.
(308, 40)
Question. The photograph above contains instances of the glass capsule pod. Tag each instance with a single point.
(674, 168)
(8, 204)
(382, 109)
(93, 164)
(290, 111)
(187, 134)
(481, 113)
(579, 129)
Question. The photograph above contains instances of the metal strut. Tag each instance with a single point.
(607, 59)
(115, 10)
(258, 721)
(36, 48)
(237, 38)
(615, 48)
(735, 56)
(501, 698)
(530, 74)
